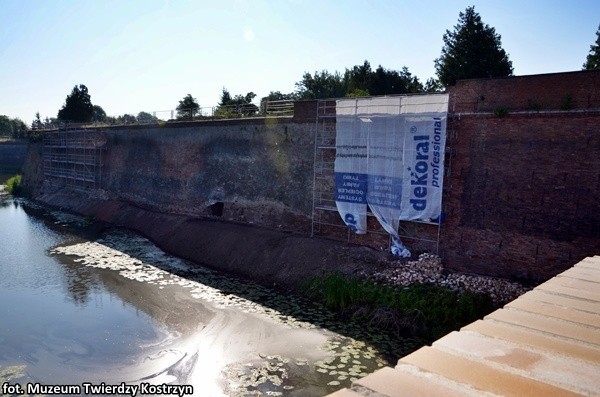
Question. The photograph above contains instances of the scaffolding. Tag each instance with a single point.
(419, 236)
(73, 158)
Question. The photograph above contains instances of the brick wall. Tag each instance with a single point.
(556, 91)
(522, 196)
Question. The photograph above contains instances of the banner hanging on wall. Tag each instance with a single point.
(390, 156)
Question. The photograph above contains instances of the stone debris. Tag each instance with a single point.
(428, 269)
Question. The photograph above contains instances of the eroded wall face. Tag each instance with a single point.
(253, 171)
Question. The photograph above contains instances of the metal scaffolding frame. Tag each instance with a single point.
(73, 157)
(325, 218)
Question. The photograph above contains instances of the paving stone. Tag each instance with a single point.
(586, 274)
(549, 325)
(579, 376)
(562, 300)
(401, 382)
(579, 284)
(480, 376)
(536, 339)
(569, 291)
(560, 312)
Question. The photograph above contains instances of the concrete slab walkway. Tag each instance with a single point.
(545, 343)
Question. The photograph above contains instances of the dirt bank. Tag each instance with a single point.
(270, 257)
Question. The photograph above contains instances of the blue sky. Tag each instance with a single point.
(147, 55)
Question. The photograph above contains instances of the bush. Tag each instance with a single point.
(13, 185)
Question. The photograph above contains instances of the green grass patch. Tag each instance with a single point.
(425, 310)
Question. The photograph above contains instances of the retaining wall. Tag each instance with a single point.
(256, 171)
(521, 190)
(12, 156)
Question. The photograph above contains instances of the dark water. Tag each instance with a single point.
(81, 303)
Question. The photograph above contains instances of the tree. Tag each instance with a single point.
(387, 82)
(278, 96)
(237, 106)
(78, 106)
(6, 127)
(13, 128)
(593, 58)
(99, 114)
(322, 85)
(360, 80)
(37, 122)
(472, 50)
(145, 117)
(20, 129)
(188, 107)
(432, 86)
(126, 119)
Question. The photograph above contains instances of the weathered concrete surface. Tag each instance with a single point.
(12, 156)
(256, 171)
(270, 257)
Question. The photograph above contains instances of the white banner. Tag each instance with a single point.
(390, 155)
(351, 167)
(423, 168)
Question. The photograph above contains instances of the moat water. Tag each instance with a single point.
(82, 302)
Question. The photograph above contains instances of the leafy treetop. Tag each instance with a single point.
(472, 50)
(593, 59)
(360, 80)
(78, 106)
(188, 107)
(235, 106)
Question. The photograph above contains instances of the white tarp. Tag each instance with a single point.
(390, 155)
(351, 167)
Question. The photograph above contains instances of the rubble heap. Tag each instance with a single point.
(428, 269)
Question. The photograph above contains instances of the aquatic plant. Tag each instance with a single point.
(422, 310)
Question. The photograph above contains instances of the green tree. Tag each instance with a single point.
(239, 105)
(78, 106)
(13, 128)
(388, 82)
(99, 114)
(6, 127)
(432, 85)
(278, 96)
(188, 107)
(593, 59)
(360, 80)
(226, 98)
(145, 117)
(322, 85)
(126, 119)
(37, 122)
(20, 129)
(472, 50)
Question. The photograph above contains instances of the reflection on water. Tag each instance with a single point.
(82, 304)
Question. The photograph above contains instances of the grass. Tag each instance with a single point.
(425, 310)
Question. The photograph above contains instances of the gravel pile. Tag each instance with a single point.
(428, 269)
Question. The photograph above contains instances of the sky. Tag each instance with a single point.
(147, 55)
